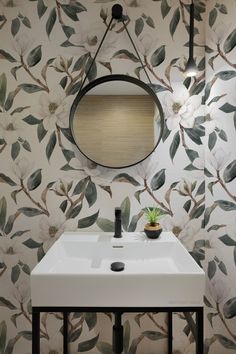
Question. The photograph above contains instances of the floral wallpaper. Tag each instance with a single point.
(220, 174)
(47, 187)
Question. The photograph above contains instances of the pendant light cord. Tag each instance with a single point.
(191, 30)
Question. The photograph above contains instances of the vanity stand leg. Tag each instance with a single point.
(199, 330)
(170, 332)
(65, 332)
(35, 331)
(117, 334)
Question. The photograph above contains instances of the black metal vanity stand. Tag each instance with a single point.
(117, 328)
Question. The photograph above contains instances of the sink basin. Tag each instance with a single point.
(76, 271)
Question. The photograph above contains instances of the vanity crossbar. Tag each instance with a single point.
(198, 333)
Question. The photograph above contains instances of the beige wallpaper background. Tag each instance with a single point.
(46, 47)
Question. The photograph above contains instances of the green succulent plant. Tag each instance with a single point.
(153, 215)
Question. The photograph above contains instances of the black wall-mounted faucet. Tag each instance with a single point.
(118, 233)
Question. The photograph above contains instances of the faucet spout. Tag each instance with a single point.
(118, 232)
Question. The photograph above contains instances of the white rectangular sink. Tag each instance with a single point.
(76, 271)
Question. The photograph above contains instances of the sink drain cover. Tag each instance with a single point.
(117, 266)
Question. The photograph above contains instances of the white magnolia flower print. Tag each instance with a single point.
(213, 113)
(11, 127)
(218, 158)
(88, 37)
(22, 43)
(10, 251)
(54, 109)
(51, 229)
(62, 187)
(187, 230)
(62, 64)
(22, 167)
(185, 187)
(180, 108)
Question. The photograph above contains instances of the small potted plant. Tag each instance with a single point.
(153, 229)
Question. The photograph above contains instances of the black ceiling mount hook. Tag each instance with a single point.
(117, 14)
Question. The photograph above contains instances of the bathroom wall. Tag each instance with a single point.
(220, 178)
(47, 187)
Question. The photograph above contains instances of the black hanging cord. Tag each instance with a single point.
(95, 56)
(117, 15)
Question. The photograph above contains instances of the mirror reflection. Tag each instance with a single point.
(116, 123)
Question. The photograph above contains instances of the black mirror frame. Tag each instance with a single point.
(108, 78)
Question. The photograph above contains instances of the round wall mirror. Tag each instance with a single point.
(116, 121)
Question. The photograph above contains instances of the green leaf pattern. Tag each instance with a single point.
(46, 49)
